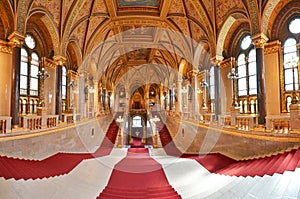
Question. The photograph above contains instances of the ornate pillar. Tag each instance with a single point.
(179, 95)
(96, 97)
(259, 41)
(104, 99)
(16, 40)
(162, 97)
(147, 87)
(60, 60)
(218, 102)
(170, 99)
(81, 95)
(195, 103)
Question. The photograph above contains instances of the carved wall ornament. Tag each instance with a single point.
(272, 47)
(5, 47)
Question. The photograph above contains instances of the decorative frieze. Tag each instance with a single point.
(272, 47)
(5, 47)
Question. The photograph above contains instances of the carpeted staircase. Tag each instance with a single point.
(167, 141)
(138, 176)
(58, 164)
(220, 164)
(217, 163)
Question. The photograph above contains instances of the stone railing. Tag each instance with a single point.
(52, 120)
(31, 122)
(246, 122)
(278, 123)
(208, 117)
(5, 124)
(225, 120)
(70, 118)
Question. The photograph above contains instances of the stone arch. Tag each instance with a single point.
(231, 23)
(266, 15)
(48, 26)
(75, 54)
(254, 16)
(6, 20)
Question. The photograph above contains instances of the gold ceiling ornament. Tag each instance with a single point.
(259, 40)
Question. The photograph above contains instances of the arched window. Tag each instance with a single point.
(288, 103)
(291, 60)
(252, 107)
(64, 83)
(290, 54)
(247, 80)
(29, 82)
(245, 106)
(24, 72)
(34, 80)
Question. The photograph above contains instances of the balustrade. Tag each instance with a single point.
(246, 122)
(225, 120)
(280, 125)
(52, 121)
(5, 124)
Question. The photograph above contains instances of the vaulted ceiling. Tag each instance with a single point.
(117, 35)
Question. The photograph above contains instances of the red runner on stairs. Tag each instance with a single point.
(55, 165)
(138, 176)
(217, 163)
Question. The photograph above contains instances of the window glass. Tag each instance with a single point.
(29, 41)
(246, 42)
(294, 26)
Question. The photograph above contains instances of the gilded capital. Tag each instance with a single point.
(228, 63)
(16, 39)
(259, 40)
(60, 60)
(46, 62)
(216, 61)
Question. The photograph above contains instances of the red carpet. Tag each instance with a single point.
(138, 176)
(58, 164)
(217, 163)
(137, 143)
(167, 141)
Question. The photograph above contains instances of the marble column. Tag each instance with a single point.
(104, 98)
(218, 100)
(179, 96)
(96, 97)
(81, 94)
(259, 41)
(16, 40)
(195, 101)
